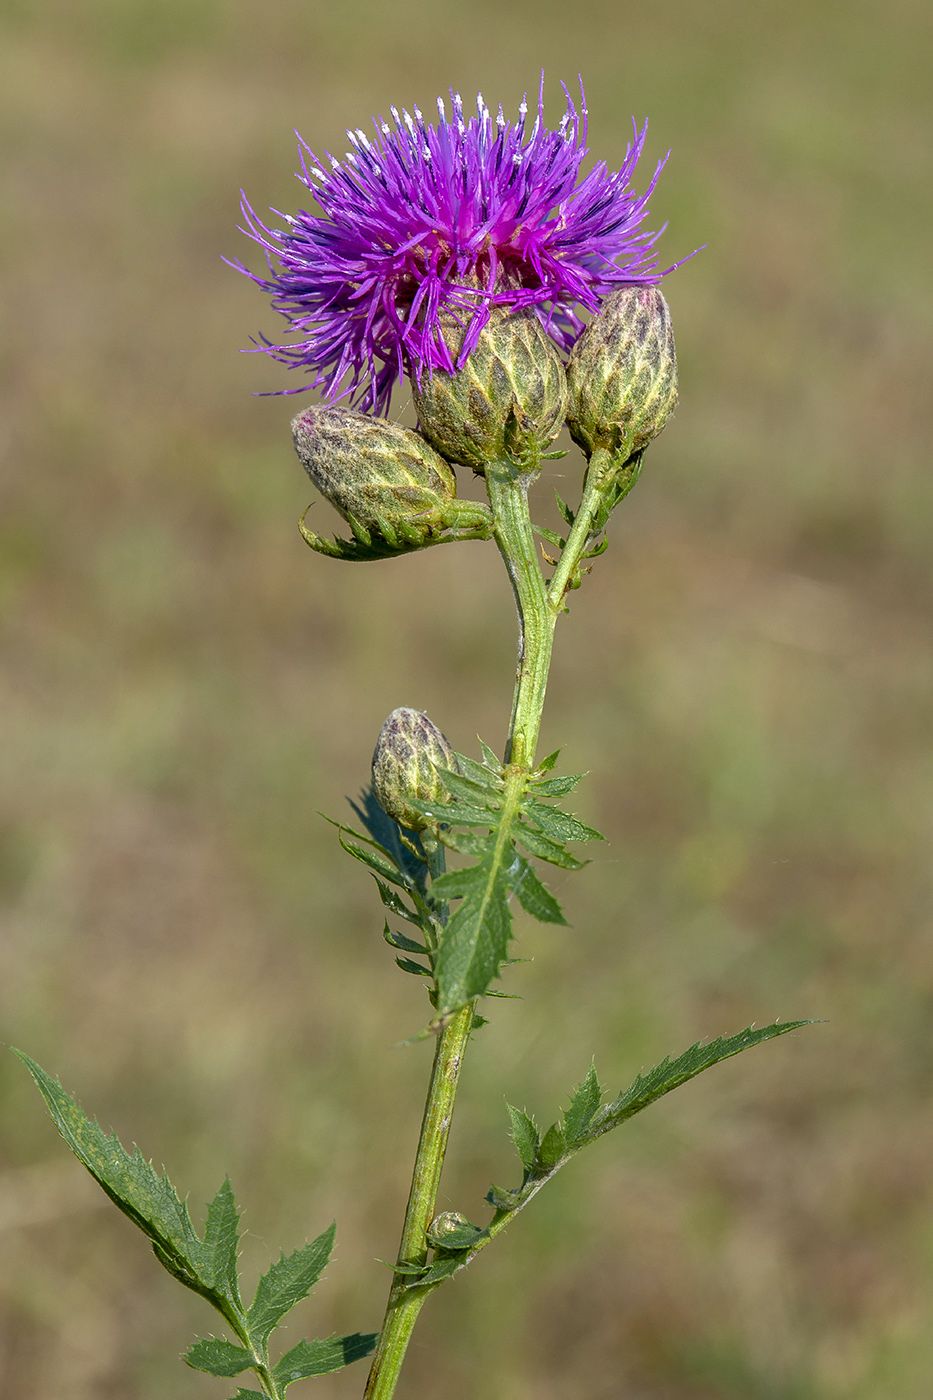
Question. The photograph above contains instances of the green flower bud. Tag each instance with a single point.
(507, 400)
(382, 478)
(622, 373)
(407, 750)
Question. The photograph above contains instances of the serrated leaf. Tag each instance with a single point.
(561, 826)
(380, 864)
(552, 1147)
(221, 1237)
(466, 843)
(548, 763)
(533, 896)
(475, 942)
(441, 1267)
(551, 536)
(559, 787)
(416, 969)
(322, 1357)
(567, 514)
(455, 883)
(459, 814)
(481, 773)
(481, 793)
(395, 904)
(666, 1076)
(386, 832)
(149, 1200)
(399, 940)
(250, 1395)
(525, 1136)
(489, 758)
(544, 848)
(217, 1357)
(582, 1107)
(288, 1280)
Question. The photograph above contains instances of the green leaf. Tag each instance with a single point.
(583, 1105)
(548, 763)
(489, 758)
(484, 774)
(454, 883)
(395, 904)
(289, 1280)
(322, 1357)
(468, 843)
(474, 944)
(250, 1395)
(559, 825)
(380, 864)
(568, 515)
(559, 787)
(460, 813)
(545, 848)
(552, 1148)
(399, 940)
(149, 1200)
(416, 969)
(486, 792)
(534, 897)
(441, 1267)
(217, 1357)
(221, 1237)
(666, 1076)
(525, 1136)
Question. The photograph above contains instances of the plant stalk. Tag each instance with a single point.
(538, 609)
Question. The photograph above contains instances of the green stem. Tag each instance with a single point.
(508, 495)
(406, 1302)
(538, 609)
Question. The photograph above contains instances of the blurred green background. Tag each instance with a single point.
(747, 674)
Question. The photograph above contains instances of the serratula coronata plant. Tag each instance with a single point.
(459, 253)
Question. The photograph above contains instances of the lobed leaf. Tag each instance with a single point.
(546, 849)
(525, 1136)
(666, 1076)
(559, 825)
(289, 1279)
(534, 897)
(489, 758)
(558, 787)
(474, 944)
(322, 1357)
(221, 1238)
(217, 1357)
(583, 1104)
(149, 1200)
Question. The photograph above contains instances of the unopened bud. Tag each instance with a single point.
(408, 753)
(622, 373)
(507, 400)
(382, 478)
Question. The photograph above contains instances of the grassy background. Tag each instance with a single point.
(747, 673)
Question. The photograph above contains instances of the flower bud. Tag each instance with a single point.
(508, 399)
(622, 374)
(382, 478)
(407, 750)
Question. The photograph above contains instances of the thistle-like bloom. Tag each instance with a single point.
(431, 221)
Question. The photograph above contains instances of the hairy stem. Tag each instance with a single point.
(538, 611)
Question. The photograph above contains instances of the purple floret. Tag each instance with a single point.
(448, 218)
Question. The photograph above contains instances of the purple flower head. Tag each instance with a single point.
(425, 221)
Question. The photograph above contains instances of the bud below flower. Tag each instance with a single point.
(507, 400)
(384, 480)
(407, 750)
(622, 373)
